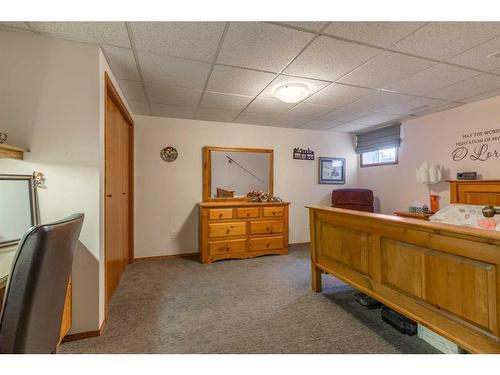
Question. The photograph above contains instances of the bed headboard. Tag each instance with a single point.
(480, 192)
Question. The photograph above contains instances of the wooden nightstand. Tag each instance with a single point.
(414, 215)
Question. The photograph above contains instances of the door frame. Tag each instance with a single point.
(111, 92)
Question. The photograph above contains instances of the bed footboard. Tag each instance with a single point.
(445, 277)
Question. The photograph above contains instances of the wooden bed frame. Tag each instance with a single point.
(445, 277)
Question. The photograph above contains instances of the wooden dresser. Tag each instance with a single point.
(240, 229)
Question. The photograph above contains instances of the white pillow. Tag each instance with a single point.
(462, 214)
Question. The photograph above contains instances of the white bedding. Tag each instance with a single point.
(466, 214)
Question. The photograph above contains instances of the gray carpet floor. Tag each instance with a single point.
(261, 305)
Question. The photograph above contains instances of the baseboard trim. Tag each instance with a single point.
(172, 256)
(298, 244)
(85, 335)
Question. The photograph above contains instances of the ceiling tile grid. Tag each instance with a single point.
(193, 40)
(360, 74)
(259, 45)
(381, 34)
(113, 33)
(330, 59)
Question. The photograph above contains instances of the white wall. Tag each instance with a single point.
(52, 102)
(59, 123)
(167, 193)
(434, 137)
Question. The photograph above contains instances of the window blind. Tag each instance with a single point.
(378, 139)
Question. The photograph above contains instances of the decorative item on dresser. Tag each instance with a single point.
(250, 221)
(241, 229)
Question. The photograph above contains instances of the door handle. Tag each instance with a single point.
(108, 195)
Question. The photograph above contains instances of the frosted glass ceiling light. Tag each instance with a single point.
(292, 92)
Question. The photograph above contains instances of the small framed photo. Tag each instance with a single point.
(331, 171)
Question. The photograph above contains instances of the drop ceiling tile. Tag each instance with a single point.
(387, 68)
(309, 26)
(254, 118)
(377, 118)
(414, 105)
(133, 90)
(216, 115)
(230, 80)
(350, 128)
(308, 111)
(139, 108)
(266, 106)
(312, 84)
(173, 95)
(114, 33)
(345, 114)
(320, 125)
(15, 25)
(173, 71)
(486, 95)
(381, 34)
(477, 85)
(227, 102)
(337, 95)
(438, 108)
(262, 46)
(442, 40)
(432, 79)
(164, 110)
(378, 100)
(285, 121)
(480, 57)
(330, 59)
(195, 40)
(122, 62)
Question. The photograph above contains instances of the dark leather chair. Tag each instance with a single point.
(353, 199)
(31, 316)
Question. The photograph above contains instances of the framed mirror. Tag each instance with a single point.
(19, 210)
(231, 173)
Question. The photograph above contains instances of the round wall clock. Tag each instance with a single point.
(169, 154)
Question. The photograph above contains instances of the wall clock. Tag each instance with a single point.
(169, 154)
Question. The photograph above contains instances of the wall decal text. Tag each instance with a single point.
(478, 146)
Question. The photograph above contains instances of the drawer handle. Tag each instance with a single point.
(220, 215)
(268, 229)
(248, 213)
(268, 244)
(227, 249)
(274, 212)
(227, 231)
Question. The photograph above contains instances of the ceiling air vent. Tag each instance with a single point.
(420, 108)
(494, 55)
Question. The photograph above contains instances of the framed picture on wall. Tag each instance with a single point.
(331, 170)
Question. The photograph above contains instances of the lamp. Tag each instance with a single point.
(430, 173)
(292, 92)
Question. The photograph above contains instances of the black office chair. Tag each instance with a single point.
(31, 316)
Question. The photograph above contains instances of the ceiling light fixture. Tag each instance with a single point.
(292, 92)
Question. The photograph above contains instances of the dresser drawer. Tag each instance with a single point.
(266, 243)
(227, 247)
(272, 211)
(227, 229)
(220, 213)
(250, 212)
(266, 227)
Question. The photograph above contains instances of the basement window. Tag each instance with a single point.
(379, 157)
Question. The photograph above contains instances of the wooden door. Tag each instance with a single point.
(118, 190)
